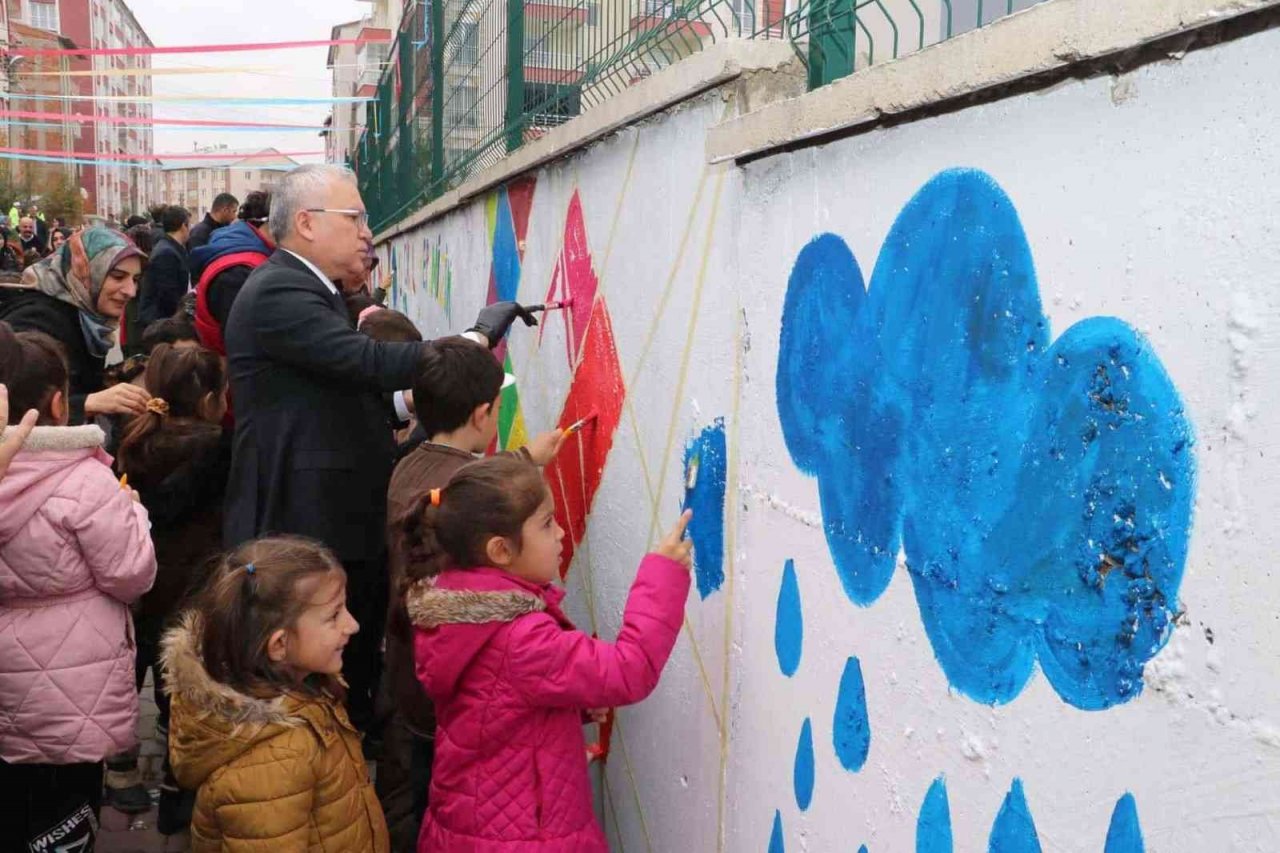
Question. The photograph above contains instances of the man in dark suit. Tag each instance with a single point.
(223, 212)
(313, 451)
(167, 277)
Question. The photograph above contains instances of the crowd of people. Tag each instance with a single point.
(228, 467)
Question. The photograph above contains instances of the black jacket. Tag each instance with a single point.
(201, 232)
(312, 453)
(164, 283)
(182, 482)
(26, 309)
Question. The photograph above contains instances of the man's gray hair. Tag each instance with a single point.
(302, 188)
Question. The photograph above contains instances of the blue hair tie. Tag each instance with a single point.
(248, 568)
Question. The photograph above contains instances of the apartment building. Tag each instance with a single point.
(31, 80)
(356, 70)
(194, 183)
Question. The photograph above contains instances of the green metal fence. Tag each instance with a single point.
(470, 81)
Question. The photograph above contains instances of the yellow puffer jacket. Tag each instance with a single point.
(278, 775)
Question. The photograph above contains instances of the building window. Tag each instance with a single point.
(468, 42)
(248, 176)
(460, 108)
(43, 14)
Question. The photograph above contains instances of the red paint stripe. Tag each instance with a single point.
(189, 48)
(82, 119)
(44, 152)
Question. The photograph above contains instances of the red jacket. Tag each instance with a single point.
(510, 677)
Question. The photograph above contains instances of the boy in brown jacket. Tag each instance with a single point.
(456, 400)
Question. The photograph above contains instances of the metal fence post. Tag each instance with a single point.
(515, 74)
(436, 11)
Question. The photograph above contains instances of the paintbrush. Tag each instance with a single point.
(551, 306)
(578, 425)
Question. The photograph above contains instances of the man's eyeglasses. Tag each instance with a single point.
(360, 217)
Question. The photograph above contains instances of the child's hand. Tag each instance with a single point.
(598, 715)
(674, 546)
(545, 446)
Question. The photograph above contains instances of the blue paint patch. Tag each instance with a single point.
(776, 843)
(802, 776)
(933, 826)
(1042, 492)
(506, 253)
(862, 849)
(1125, 833)
(851, 729)
(1014, 831)
(706, 467)
(788, 626)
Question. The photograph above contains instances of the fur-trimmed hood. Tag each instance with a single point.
(231, 722)
(458, 612)
(48, 457)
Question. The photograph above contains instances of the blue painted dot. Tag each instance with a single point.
(1014, 831)
(788, 630)
(803, 774)
(862, 849)
(1125, 833)
(851, 730)
(776, 844)
(933, 826)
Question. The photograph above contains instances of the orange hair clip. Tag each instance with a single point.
(435, 497)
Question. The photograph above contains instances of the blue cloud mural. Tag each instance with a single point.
(1041, 489)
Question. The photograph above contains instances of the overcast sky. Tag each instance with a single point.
(297, 73)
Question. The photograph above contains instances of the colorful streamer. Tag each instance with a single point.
(195, 69)
(115, 155)
(191, 48)
(78, 118)
(196, 99)
(47, 125)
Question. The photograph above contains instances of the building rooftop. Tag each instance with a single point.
(266, 159)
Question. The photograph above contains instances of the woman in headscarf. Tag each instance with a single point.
(77, 296)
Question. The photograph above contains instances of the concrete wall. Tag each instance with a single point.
(981, 408)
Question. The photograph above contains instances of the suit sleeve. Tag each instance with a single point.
(297, 325)
(114, 535)
(553, 667)
(266, 805)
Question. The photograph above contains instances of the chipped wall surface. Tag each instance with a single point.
(977, 416)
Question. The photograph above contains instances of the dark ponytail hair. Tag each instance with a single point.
(34, 367)
(487, 498)
(179, 380)
(252, 592)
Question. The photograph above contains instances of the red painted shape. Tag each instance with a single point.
(575, 474)
(574, 278)
(520, 198)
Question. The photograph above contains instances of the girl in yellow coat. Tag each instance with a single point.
(257, 722)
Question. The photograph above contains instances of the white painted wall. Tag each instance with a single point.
(1150, 198)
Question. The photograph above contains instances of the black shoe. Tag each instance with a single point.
(174, 814)
(132, 799)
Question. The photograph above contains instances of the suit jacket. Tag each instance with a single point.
(165, 282)
(312, 453)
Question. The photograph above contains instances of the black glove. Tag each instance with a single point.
(496, 319)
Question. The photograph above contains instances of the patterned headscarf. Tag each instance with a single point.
(76, 273)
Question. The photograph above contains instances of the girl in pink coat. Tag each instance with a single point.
(75, 549)
(510, 676)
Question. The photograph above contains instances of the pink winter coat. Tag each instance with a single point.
(510, 677)
(74, 551)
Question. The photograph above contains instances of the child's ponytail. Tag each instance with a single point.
(181, 380)
(451, 527)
